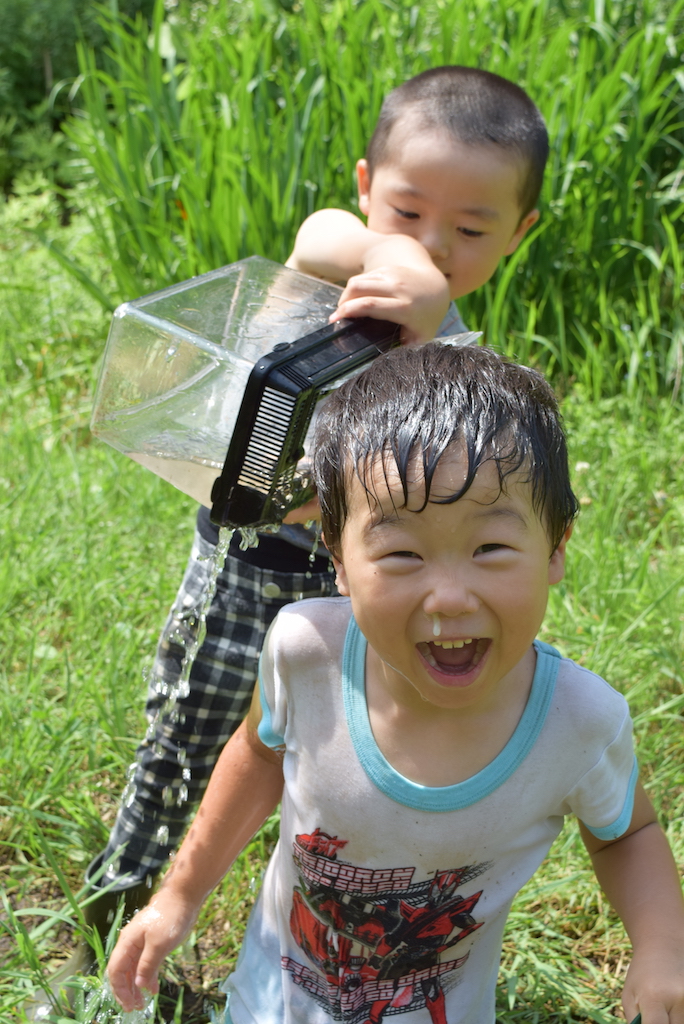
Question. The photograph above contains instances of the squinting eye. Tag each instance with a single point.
(406, 214)
(469, 233)
(403, 554)
(486, 548)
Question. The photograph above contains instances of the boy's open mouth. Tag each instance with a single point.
(455, 657)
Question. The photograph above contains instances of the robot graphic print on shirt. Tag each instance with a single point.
(374, 938)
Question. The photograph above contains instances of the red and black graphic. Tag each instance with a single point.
(375, 939)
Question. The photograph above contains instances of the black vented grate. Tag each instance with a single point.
(260, 480)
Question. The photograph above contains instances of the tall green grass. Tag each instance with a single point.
(210, 141)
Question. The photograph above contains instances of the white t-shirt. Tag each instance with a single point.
(387, 898)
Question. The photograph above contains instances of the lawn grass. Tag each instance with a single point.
(93, 550)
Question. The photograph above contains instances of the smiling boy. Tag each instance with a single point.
(425, 746)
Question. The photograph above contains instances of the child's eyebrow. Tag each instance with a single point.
(497, 511)
(483, 212)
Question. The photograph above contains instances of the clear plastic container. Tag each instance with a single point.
(177, 362)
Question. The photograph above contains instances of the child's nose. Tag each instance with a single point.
(436, 240)
(450, 598)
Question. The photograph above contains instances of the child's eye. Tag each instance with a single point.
(469, 233)
(486, 548)
(406, 214)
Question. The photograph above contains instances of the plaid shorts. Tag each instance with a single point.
(177, 756)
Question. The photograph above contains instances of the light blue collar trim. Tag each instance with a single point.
(463, 794)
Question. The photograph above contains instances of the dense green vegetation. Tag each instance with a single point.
(214, 143)
(38, 62)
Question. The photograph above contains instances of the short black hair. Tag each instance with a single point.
(418, 402)
(476, 108)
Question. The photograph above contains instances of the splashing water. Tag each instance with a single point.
(128, 795)
(102, 1008)
(249, 538)
(169, 708)
(182, 689)
(313, 524)
(436, 625)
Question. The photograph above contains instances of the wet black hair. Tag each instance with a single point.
(476, 108)
(415, 403)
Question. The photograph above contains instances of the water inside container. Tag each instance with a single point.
(177, 363)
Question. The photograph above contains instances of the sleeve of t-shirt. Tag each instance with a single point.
(452, 323)
(272, 690)
(603, 798)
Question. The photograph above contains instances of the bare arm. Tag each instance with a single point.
(245, 787)
(389, 277)
(639, 876)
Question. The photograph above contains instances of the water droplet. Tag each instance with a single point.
(249, 538)
(158, 750)
(148, 881)
(187, 774)
(181, 719)
(181, 755)
(163, 835)
(167, 796)
(113, 870)
(128, 795)
(182, 795)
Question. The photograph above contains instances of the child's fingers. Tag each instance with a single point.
(371, 305)
(121, 972)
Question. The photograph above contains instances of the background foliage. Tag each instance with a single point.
(209, 136)
(215, 143)
(37, 51)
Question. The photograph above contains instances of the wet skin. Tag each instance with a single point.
(480, 567)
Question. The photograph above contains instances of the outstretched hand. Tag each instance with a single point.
(138, 955)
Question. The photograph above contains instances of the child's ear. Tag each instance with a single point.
(363, 182)
(557, 560)
(523, 227)
(340, 577)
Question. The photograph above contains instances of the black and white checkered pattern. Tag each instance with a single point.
(221, 684)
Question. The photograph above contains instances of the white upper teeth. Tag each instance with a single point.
(448, 644)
